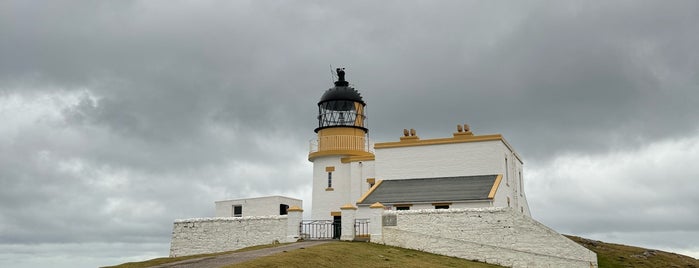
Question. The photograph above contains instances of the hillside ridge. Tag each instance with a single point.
(618, 255)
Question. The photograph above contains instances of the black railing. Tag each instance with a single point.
(319, 229)
(361, 229)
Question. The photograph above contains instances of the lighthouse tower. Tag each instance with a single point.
(343, 161)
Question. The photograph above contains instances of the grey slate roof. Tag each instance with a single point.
(432, 190)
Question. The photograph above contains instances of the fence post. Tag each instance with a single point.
(349, 213)
(294, 216)
(376, 222)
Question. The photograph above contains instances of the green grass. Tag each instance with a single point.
(615, 255)
(362, 254)
(358, 254)
(164, 260)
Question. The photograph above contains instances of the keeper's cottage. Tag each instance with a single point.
(461, 195)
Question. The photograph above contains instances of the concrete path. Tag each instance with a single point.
(238, 257)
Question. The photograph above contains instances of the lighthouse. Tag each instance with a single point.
(341, 154)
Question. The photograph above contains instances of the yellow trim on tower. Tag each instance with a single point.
(371, 190)
(493, 190)
(329, 169)
(329, 189)
(349, 153)
(371, 180)
(349, 159)
(335, 213)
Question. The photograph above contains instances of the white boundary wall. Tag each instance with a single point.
(494, 235)
(209, 235)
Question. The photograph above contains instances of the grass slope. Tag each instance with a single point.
(164, 260)
(336, 254)
(358, 254)
(615, 255)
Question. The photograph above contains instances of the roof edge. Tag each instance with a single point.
(496, 185)
(371, 190)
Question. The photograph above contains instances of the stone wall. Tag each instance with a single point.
(494, 235)
(208, 235)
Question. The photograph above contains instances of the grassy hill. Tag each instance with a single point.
(337, 254)
(615, 255)
(360, 254)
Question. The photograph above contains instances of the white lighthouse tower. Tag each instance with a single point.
(343, 166)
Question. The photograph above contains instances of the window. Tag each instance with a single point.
(508, 201)
(441, 205)
(329, 170)
(330, 180)
(521, 185)
(507, 178)
(283, 209)
(237, 211)
(403, 206)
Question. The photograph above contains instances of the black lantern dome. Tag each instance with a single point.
(342, 93)
(341, 106)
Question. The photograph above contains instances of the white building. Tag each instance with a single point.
(260, 206)
(461, 171)
(465, 193)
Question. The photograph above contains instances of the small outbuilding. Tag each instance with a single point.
(259, 206)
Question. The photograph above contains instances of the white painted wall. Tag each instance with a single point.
(324, 201)
(457, 159)
(494, 235)
(348, 183)
(441, 160)
(259, 206)
(360, 171)
(209, 235)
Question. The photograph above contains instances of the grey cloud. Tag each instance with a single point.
(186, 103)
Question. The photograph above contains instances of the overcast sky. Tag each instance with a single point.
(117, 117)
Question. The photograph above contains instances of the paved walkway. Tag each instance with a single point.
(238, 257)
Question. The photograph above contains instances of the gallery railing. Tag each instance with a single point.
(341, 142)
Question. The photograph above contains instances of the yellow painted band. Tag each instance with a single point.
(350, 153)
(349, 159)
(295, 208)
(493, 190)
(371, 190)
